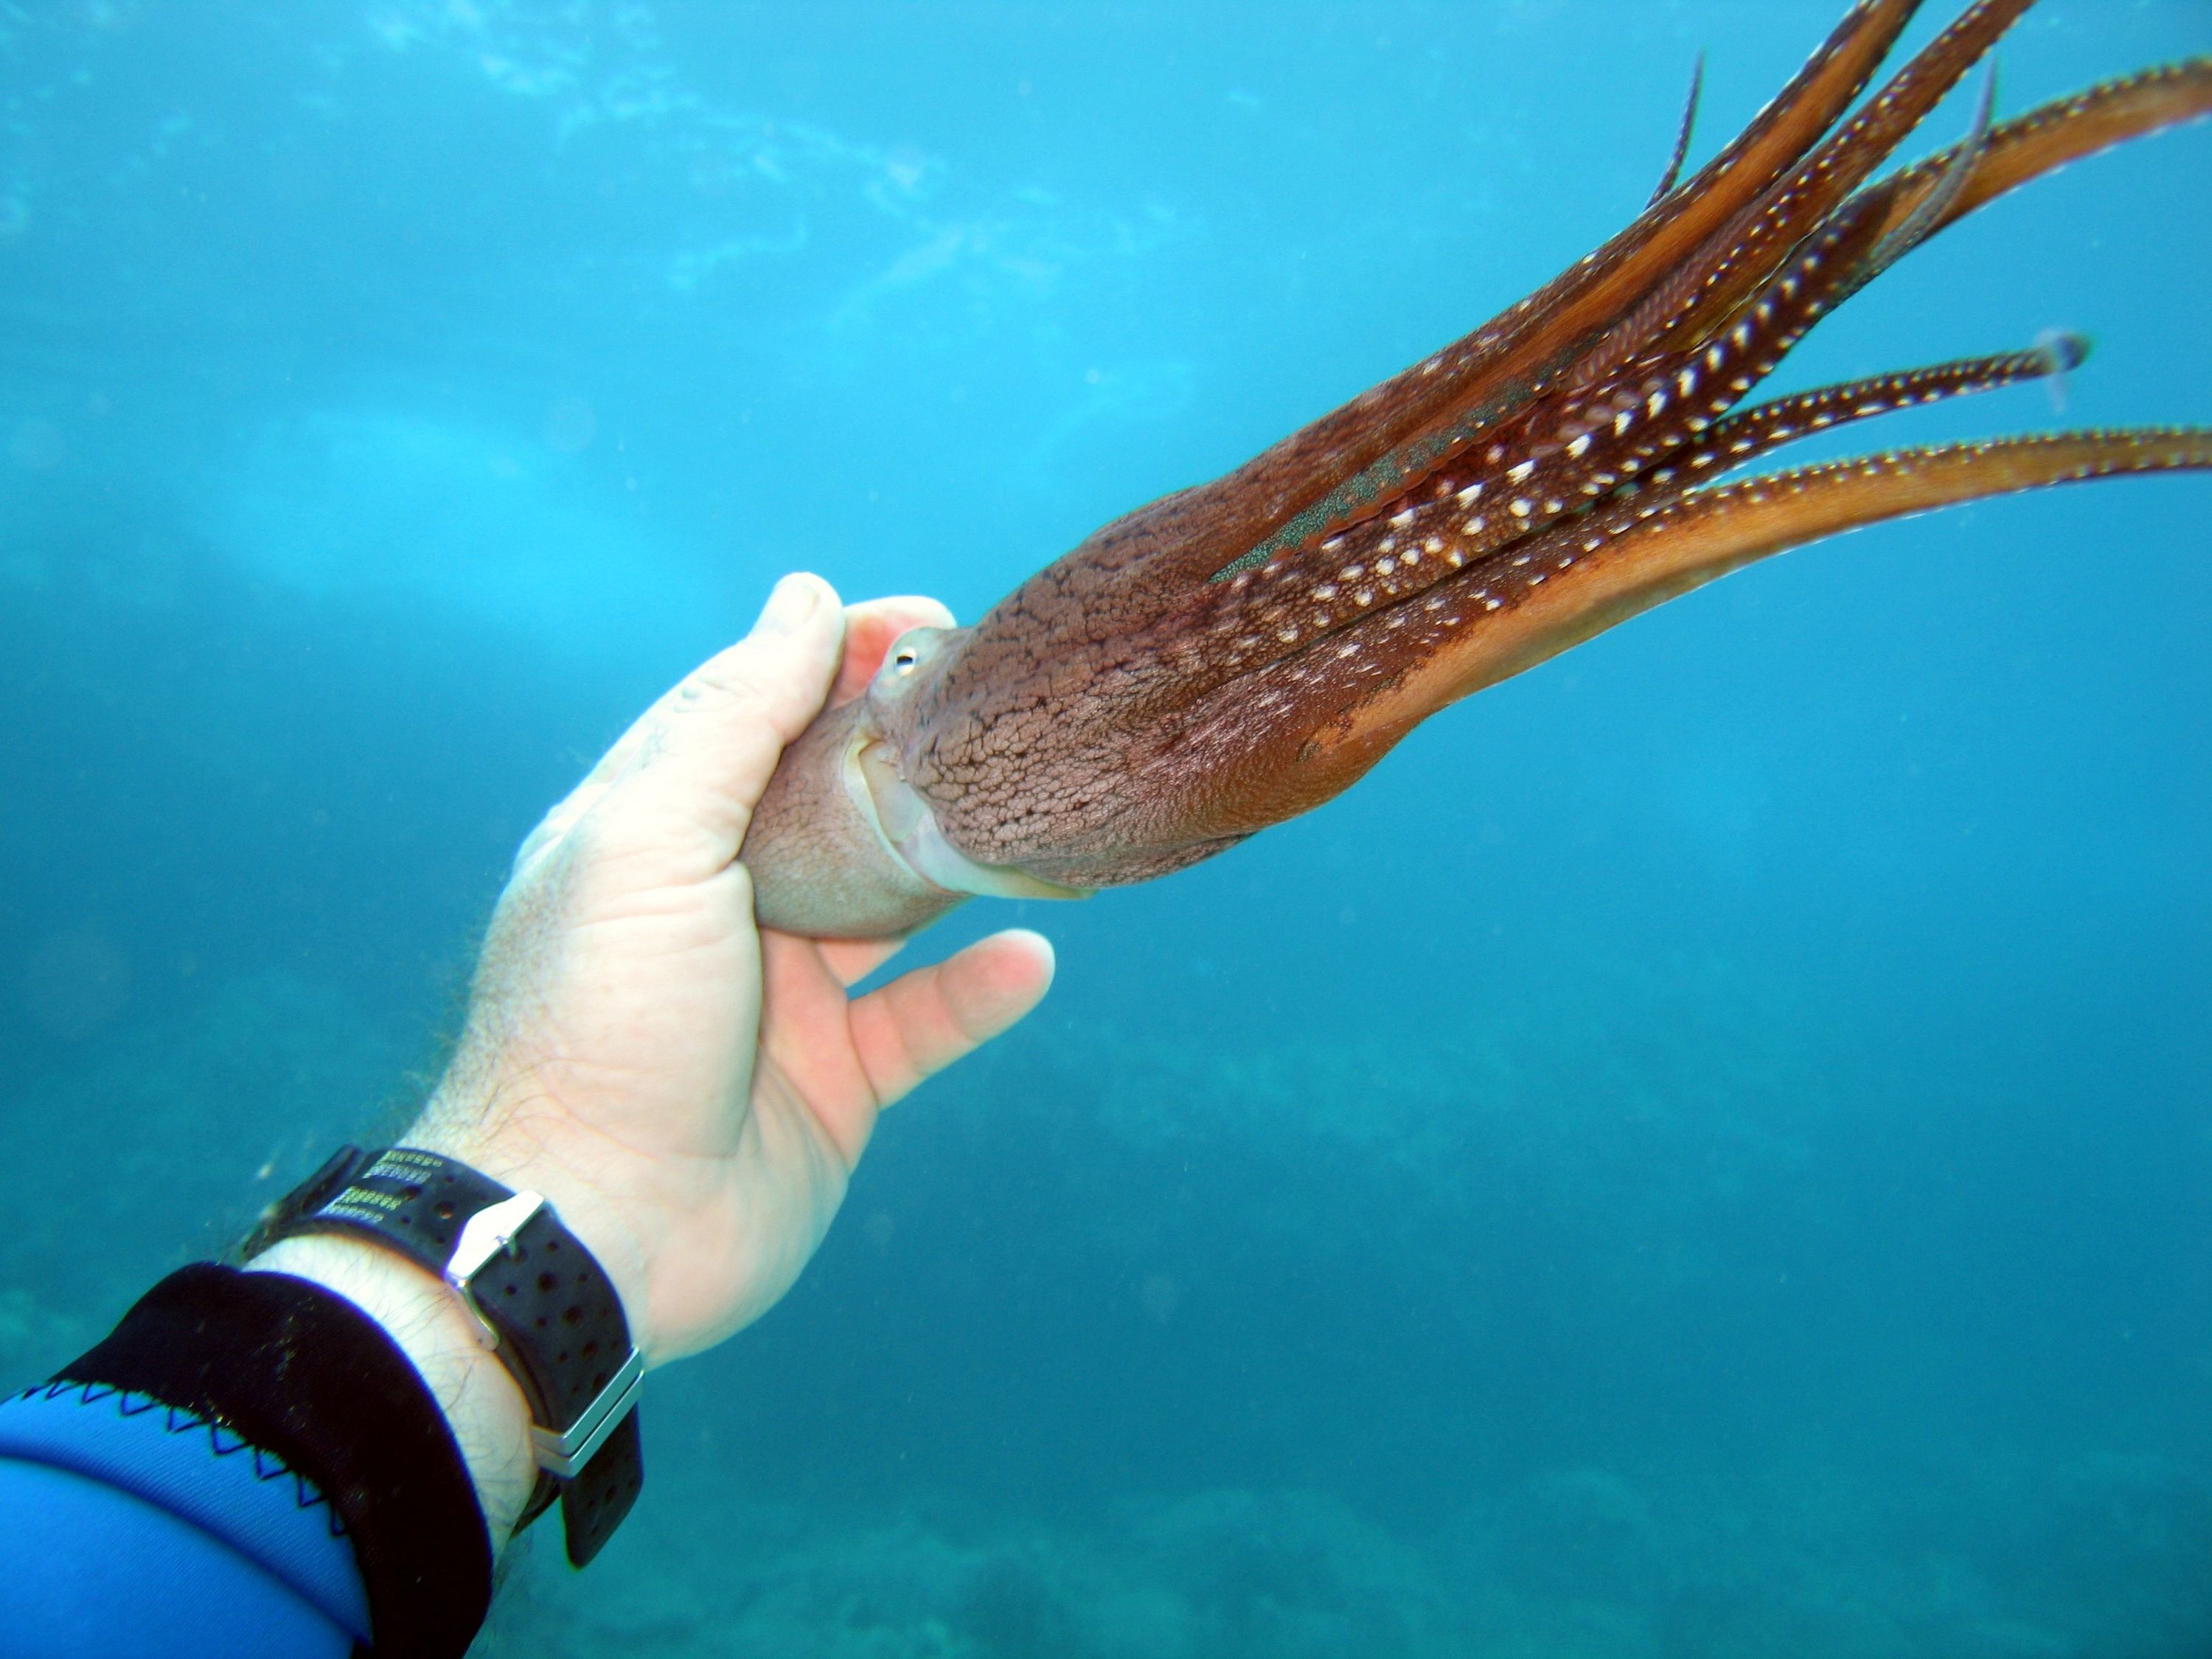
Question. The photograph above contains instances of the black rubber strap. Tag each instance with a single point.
(560, 1322)
(300, 1371)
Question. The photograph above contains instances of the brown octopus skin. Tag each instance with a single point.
(1237, 654)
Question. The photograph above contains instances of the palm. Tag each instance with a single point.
(783, 1150)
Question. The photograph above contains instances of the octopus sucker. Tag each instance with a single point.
(1240, 652)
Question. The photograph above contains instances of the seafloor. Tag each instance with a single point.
(1022, 1389)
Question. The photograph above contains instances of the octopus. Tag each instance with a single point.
(1240, 652)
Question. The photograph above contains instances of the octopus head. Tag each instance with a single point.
(843, 845)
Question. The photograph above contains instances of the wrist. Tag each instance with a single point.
(524, 1156)
(483, 1407)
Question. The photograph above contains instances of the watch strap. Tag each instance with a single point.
(549, 1311)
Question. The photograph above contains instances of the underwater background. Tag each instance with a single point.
(1707, 1151)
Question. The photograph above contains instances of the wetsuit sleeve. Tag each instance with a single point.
(247, 1464)
(129, 1527)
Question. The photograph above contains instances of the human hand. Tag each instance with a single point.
(690, 1094)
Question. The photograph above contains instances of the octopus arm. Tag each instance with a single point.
(1598, 441)
(1706, 533)
(1593, 437)
(1751, 433)
(2065, 130)
(1332, 469)
(1683, 132)
(1937, 192)
(1139, 573)
(1720, 240)
(1746, 254)
(1556, 326)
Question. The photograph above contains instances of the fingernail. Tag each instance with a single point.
(795, 599)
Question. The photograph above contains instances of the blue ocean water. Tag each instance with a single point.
(1707, 1151)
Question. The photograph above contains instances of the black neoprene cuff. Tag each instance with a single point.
(300, 1371)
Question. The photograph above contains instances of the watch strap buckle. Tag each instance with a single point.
(487, 1235)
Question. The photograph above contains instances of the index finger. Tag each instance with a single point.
(870, 628)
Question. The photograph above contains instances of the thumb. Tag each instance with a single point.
(700, 758)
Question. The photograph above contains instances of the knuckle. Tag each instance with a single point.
(723, 682)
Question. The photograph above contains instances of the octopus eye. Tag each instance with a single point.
(909, 650)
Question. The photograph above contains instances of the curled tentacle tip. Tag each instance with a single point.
(2063, 349)
(1674, 173)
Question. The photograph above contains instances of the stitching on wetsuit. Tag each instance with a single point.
(267, 1466)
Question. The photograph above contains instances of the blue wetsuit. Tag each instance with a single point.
(131, 1530)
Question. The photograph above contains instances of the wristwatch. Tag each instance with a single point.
(540, 1303)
